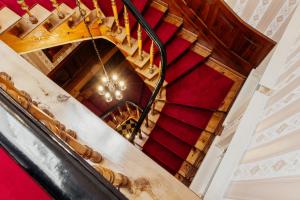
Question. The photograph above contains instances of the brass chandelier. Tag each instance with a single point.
(111, 87)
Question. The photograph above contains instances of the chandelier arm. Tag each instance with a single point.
(81, 11)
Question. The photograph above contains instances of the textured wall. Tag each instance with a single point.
(268, 16)
(270, 168)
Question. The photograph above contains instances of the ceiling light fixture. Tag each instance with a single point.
(111, 86)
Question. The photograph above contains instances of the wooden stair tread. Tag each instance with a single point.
(8, 19)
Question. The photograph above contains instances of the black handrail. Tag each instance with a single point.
(77, 179)
(140, 19)
(115, 107)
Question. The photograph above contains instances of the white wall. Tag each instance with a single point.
(263, 159)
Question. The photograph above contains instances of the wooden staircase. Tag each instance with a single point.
(186, 56)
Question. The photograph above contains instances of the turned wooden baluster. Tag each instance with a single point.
(25, 7)
(60, 14)
(116, 179)
(153, 107)
(46, 118)
(127, 26)
(98, 11)
(128, 109)
(151, 70)
(116, 15)
(147, 121)
(140, 43)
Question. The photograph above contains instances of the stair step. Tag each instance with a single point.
(162, 156)
(165, 31)
(185, 63)
(170, 142)
(8, 18)
(141, 141)
(174, 48)
(24, 27)
(54, 21)
(152, 83)
(15, 7)
(197, 118)
(145, 72)
(184, 132)
(207, 89)
(147, 130)
(140, 6)
(153, 14)
(106, 8)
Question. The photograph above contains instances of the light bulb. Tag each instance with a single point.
(118, 95)
(114, 77)
(104, 79)
(122, 85)
(101, 90)
(108, 97)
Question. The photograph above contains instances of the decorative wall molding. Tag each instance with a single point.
(270, 17)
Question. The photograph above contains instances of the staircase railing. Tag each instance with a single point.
(163, 63)
(76, 177)
(118, 105)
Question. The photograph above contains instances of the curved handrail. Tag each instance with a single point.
(140, 19)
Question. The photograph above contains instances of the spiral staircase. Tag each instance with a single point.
(198, 89)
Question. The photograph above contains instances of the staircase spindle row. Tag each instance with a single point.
(57, 128)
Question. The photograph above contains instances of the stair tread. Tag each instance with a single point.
(179, 129)
(106, 8)
(174, 48)
(185, 63)
(169, 141)
(165, 31)
(207, 89)
(14, 6)
(162, 156)
(148, 15)
(140, 6)
(197, 118)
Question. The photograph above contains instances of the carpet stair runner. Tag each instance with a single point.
(194, 91)
(186, 62)
(170, 142)
(179, 129)
(15, 183)
(207, 89)
(197, 118)
(153, 16)
(165, 31)
(158, 153)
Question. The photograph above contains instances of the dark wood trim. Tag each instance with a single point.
(234, 42)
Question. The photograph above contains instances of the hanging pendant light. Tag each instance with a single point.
(111, 86)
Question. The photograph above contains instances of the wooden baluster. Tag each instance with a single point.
(46, 118)
(98, 11)
(128, 109)
(137, 112)
(127, 26)
(140, 43)
(147, 121)
(116, 179)
(25, 7)
(60, 14)
(153, 108)
(151, 70)
(116, 15)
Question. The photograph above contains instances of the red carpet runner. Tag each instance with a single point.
(15, 183)
(193, 93)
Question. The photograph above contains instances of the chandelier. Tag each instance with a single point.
(111, 87)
